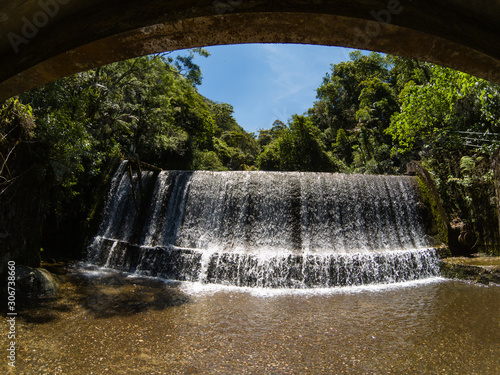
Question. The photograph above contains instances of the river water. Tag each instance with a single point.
(277, 273)
(108, 322)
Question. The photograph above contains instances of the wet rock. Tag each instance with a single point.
(480, 270)
(32, 283)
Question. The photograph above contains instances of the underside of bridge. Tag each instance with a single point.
(43, 40)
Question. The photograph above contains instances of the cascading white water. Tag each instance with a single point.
(269, 229)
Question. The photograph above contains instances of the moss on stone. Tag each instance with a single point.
(439, 227)
(484, 270)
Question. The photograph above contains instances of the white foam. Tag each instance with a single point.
(197, 288)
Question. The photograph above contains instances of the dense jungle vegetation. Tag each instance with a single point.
(373, 114)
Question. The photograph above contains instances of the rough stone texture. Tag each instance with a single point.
(443, 251)
(67, 36)
(440, 223)
(32, 283)
(483, 270)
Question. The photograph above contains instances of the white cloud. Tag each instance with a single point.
(292, 75)
(297, 71)
(266, 82)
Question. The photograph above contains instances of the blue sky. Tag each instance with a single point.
(265, 82)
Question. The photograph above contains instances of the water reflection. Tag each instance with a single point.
(127, 325)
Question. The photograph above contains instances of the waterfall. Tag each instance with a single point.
(265, 229)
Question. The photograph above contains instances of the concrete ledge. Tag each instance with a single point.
(483, 270)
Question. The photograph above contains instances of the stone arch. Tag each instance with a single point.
(43, 40)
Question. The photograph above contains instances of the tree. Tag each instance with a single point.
(377, 103)
(452, 101)
(297, 148)
(339, 95)
(188, 68)
(142, 106)
(24, 185)
(267, 136)
(223, 117)
(147, 106)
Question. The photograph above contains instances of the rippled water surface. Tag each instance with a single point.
(116, 324)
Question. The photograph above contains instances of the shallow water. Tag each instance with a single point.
(123, 325)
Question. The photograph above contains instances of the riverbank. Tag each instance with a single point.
(109, 322)
(480, 269)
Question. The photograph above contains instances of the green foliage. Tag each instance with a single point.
(142, 106)
(343, 147)
(234, 147)
(208, 160)
(432, 111)
(354, 107)
(439, 226)
(23, 187)
(297, 148)
(222, 114)
(186, 66)
(451, 101)
(17, 131)
(405, 70)
(376, 104)
(341, 90)
(147, 106)
(373, 114)
(376, 113)
(269, 135)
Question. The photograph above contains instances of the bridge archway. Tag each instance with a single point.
(43, 40)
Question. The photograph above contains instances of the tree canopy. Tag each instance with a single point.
(372, 114)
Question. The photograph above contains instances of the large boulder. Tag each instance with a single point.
(32, 283)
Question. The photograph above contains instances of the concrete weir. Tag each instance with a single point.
(266, 229)
(44, 40)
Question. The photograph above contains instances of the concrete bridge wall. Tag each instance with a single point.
(43, 40)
